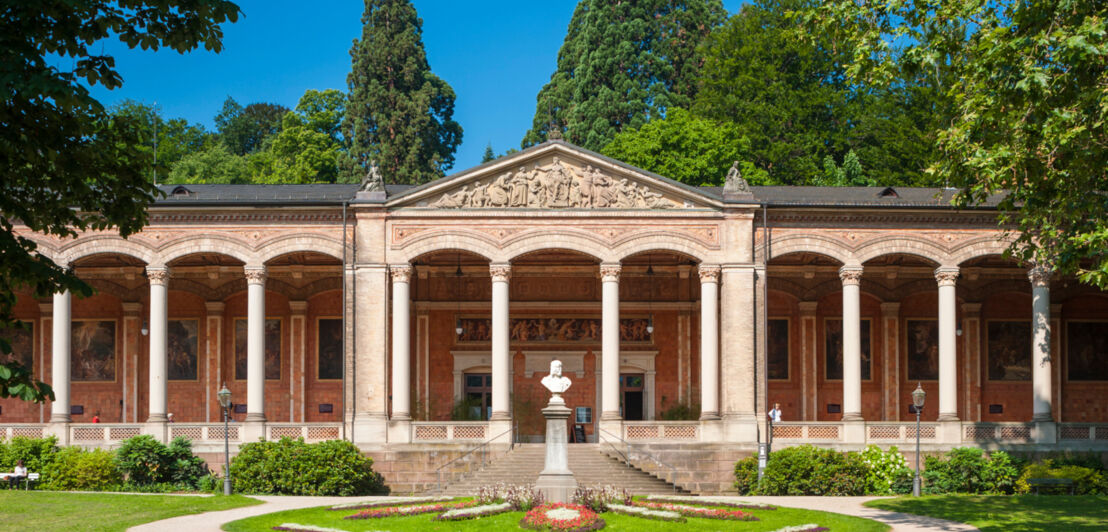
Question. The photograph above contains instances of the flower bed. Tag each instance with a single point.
(561, 517)
(475, 512)
(399, 511)
(361, 505)
(695, 511)
(710, 501)
(296, 527)
(646, 513)
(812, 527)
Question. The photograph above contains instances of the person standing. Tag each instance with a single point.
(775, 414)
(20, 473)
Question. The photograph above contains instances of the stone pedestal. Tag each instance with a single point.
(556, 481)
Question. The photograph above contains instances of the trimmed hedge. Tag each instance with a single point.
(292, 467)
(1086, 481)
(74, 468)
(969, 470)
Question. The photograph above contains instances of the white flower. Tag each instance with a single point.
(638, 510)
(562, 514)
(488, 508)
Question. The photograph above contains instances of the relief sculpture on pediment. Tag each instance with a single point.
(556, 186)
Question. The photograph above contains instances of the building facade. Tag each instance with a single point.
(427, 316)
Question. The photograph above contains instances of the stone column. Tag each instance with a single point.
(255, 348)
(367, 362)
(609, 328)
(709, 342)
(737, 352)
(852, 342)
(1040, 344)
(62, 333)
(501, 356)
(159, 324)
(948, 347)
(401, 339)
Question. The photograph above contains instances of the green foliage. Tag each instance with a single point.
(808, 470)
(213, 165)
(687, 148)
(680, 411)
(1086, 481)
(969, 470)
(176, 138)
(746, 475)
(850, 174)
(399, 114)
(466, 409)
(145, 461)
(36, 453)
(621, 65)
(245, 130)
(1026, 84)
(68, 164)
(489, 155)
(74, 468)
(887, 471)
(292, 467)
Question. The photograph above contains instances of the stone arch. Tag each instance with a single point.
(326, 284)
(209, 243)
(902, 244)
(868, 286)
(810, 243)
(661, 241)
(978, 247)
(110, 244)
(447, 240)
(321, 244)
(116, 290)
(43, 246)
(590, 245)
(193, 287)
(1002, 286)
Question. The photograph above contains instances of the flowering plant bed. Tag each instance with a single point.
(646, 513)
(297, 527)
(474, 512)
(710, 501)
(812, 527)
(397, 511)
(361, 505)
(695, 511)
(561, 517)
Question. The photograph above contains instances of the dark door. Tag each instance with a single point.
(631, 396)
(478, 395)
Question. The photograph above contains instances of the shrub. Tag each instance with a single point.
(968, 470)
(36, 453)
(808, 470)
(888, 471)
(746, 475)
(74, 468)
(521, 498)
(680, 411)
(598, 498)
(146, 461)
(292, 467)
(1086, 481)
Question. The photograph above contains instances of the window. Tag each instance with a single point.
(478, 395)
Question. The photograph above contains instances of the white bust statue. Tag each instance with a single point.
(556, 382)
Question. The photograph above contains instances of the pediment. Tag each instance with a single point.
(554, 176)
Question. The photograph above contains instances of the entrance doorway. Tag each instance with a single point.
(478, 396)
(631, 396)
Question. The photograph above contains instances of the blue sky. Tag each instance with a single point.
(495, 54)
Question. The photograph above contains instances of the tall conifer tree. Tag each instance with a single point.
(399, 114)
(622, 64)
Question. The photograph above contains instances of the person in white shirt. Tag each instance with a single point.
(775, 414)
(19, 474)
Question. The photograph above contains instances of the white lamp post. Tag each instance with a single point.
(224, 396)
(918, 395)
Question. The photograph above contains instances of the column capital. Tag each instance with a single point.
(609, 272)
(401, 273)
(850, 275)
(215, 307)
(1040, 276)
(500, 272)
(157, 275)
(808, 308)
(890, 310)
(709, 273)
(255, 275)
(947, 275)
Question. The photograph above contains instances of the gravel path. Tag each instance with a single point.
(211, 521)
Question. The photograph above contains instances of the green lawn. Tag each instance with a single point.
(1019, 513)
(770, 520)
(45, 511)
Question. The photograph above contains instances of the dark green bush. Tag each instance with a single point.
(1086, 481)
(808, 470)
(74, 468)
(969, 470)
(292, 467)
(145, 461)
(36, 453)
(746, 475)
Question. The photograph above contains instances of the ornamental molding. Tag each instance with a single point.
(500, 272)
(1040, 276)
(709, 273)
(255, 275)
(610, 272)
(499, 236)
(850, 275)
(401, 273)
(168, 217)
(800, 218)
(946, 276)
(157, 276)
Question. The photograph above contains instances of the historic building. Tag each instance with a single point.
(427, 315)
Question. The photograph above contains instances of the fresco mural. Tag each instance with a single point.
(93, 351)
(1009, 347)
(1087, 347)
(833, 342)
(183, 341)
(329, 340)
(554, 330)
(922, 338)
(272, 348)
(777, 337)
(22, 341)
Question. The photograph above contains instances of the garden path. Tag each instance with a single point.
(853, 506)
(211, 521)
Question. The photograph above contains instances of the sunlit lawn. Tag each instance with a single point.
(1019, 513)
(44, 511)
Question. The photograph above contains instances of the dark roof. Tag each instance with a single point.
(320, 194)
(905, 197)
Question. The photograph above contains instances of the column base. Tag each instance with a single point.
(60, 418)
(854, 430)
(853, 416)
(501, 431)
(1042, 417)
(58, 429)
(500, 416)
(400, 431)
(158, 429)
(611, 415)
(1045, 432)
(949, 416)
(252, 431)
(255, 417)
(609, 430)
(709, 416)
(157, 418)
(950, 431)
(370, 429)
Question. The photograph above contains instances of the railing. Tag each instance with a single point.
(1082, 431)
(90, 433)
(809, 431)
(900, 432)
(443, 431)
(997, 432)
(630, 454)
(483, 450)
(661, 431)
(308, 431)
(30, 430)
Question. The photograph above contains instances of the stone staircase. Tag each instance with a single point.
(589, 464)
